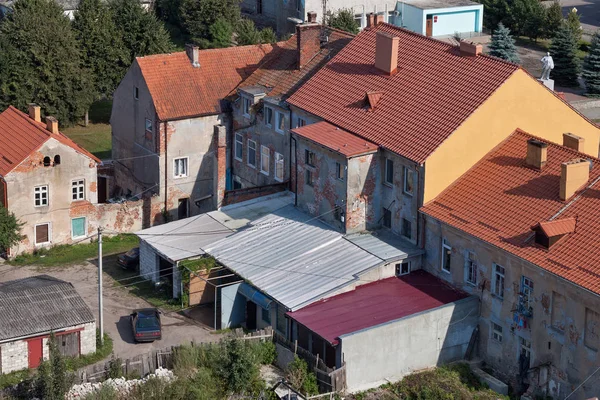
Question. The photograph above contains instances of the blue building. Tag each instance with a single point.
(440, 17)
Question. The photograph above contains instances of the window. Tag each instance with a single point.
(498, 281)
(300, 122)
(136, 93)
(409, 179)
(279, 167)
(239, 146)
(339, 171)
(41, 196)
(78, 190)
(266, 315)
(265, 159)
(183, 208)
(446, 255)
(387, 218)
(47, 161)
(525, 348)
(180, 167)
(406, 228)
(527, 294)
(148, 125)
(259, 6)
(246, 106)
(389, 172)
(591, 337)
(471, 269)
(309, 177)
(496, 332)
(403, 268)
(57, 160)
(252, 153)
(279, 122)
(42, 234)
(78, 227)
(309, 158)
(358, 19)
(557, 316)
(268, 116)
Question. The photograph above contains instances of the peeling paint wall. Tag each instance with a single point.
(564, 329)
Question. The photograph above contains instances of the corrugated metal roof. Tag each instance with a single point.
(385, 245)
(292, 257)
(38, 305)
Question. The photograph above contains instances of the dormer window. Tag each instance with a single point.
(547, 233)
(246, 104)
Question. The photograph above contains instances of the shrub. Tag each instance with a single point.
(265, 352)
(299, 377)
(237, 367)
(344, 20)
(115, 368)
(106, 392)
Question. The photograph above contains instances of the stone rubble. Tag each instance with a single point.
(121, 385)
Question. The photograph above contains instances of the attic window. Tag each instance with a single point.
(47, 161)
(371, 99)
(57, 160)
(547, 233)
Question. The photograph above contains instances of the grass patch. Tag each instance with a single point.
(65, 254)
(14, 378)
(96, 137)
(147, 291)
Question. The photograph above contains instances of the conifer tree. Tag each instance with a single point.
(591, 66)
(574, 24)
(554, 19)
(564, 54)
(503, 45)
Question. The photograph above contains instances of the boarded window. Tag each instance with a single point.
(78, 227)
(42, 233)
(558, 311)
(592, 329)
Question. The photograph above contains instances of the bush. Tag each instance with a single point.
(265, 352)
(247, 33)
(300, 378)
(106, 392)
(237, 367)
(115, 368)
(344, 20)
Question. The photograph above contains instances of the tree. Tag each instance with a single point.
(102, 49)
(343, 19)
(554, 19)
(564, 54)
(574, 24)
(247, 33)
(141, 31)
(220, 33)
(40, 62)
(10, 229)
(503, 45)
(53, 381)
(533, 19)
(591, 66)
(237, 367)
(198, 15)
(497, 11)
(268, 36)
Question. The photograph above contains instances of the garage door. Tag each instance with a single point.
(69, 344)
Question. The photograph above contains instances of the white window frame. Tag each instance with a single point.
(339, 171)
(497, 332)
(268, 111)
(446, 247)
(246, 106)
(148, 123)
(279, 163)
(399, 265)
(49, 234)
(42, 191)
(300, 122)
(471, 269)
(525, 347)
(407, 172)
(239, 143)
(279, 120)
(498, 275)
(251, 148)
(265, 152)
(527, 291)
(84, 228)
(187, 167)
(79, 185)
(388, 161)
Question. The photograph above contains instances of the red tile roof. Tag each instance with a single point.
(180, 90)
(20, 136)
(433, 93)
(335, 139)
(558, 227)
(375, 303)
(500, 198)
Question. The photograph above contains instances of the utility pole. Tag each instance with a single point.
(100, 285)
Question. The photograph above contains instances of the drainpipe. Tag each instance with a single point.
(166, 173)
(295, 169)
(420, 229)
(5, 193)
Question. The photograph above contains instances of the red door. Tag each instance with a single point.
(35, 352)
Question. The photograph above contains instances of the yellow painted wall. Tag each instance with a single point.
(520, 103)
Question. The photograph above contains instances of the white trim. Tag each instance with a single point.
(400, 273)
(265, 171)
(49, 234)
(151, 130)
(248, 154)
(249, 102)
(446, 246)
(84, 228)
(406, 172)
(298, 122)
(267, 124)
(499, 333)
(282, 161)
(241, 143)
(187, 167)
(47, 195)
(385, 172)
(277, 124)
(78, 185)
(494, 277)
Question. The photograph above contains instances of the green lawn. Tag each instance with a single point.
(96, 137)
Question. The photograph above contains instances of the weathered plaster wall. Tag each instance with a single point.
(362, 175)
(557, 331)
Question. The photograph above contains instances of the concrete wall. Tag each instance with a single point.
(561, 342)
(149, 262)
(413, 19)
(456, 19)
(389, 351)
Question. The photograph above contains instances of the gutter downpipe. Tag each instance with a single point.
(166, 169)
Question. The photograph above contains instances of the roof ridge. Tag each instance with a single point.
(220, 49)
(27, 118)
(556, 145)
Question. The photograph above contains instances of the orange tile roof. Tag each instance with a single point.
(558, 227)
(20, 136)
(499, 199)
(336, 139)
(434, 91)
(180, 90)
(280, 74)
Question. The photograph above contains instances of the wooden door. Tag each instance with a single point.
(69, 344)
(35, 353)
(429, 27)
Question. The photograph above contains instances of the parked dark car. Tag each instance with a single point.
(130, 260)
(146, 325)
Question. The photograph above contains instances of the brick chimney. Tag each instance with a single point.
(370, 20)
(52, 125)
(193, 54)
(379, 18)
(35, 112)
(386, 53)
(221, 158)
(537, 154)
(573, 142)
(573, 175)
(308, 42)
(311, 17)
(468, 49)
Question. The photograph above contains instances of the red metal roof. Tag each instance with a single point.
(375, 303)
(434, 92)
(558, 227)
(500, 198)
(180, 90)
(336, 139)
(20, 136)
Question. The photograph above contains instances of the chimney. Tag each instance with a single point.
(537, 154)
(468, 49)
(308, 42)
(35, 112)
(573, 175)
(370, 20)
(221, 170)
(573, 142)
(386, 53)
(193, 54)
(311, 17)
(52, 125)
(379, 18)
